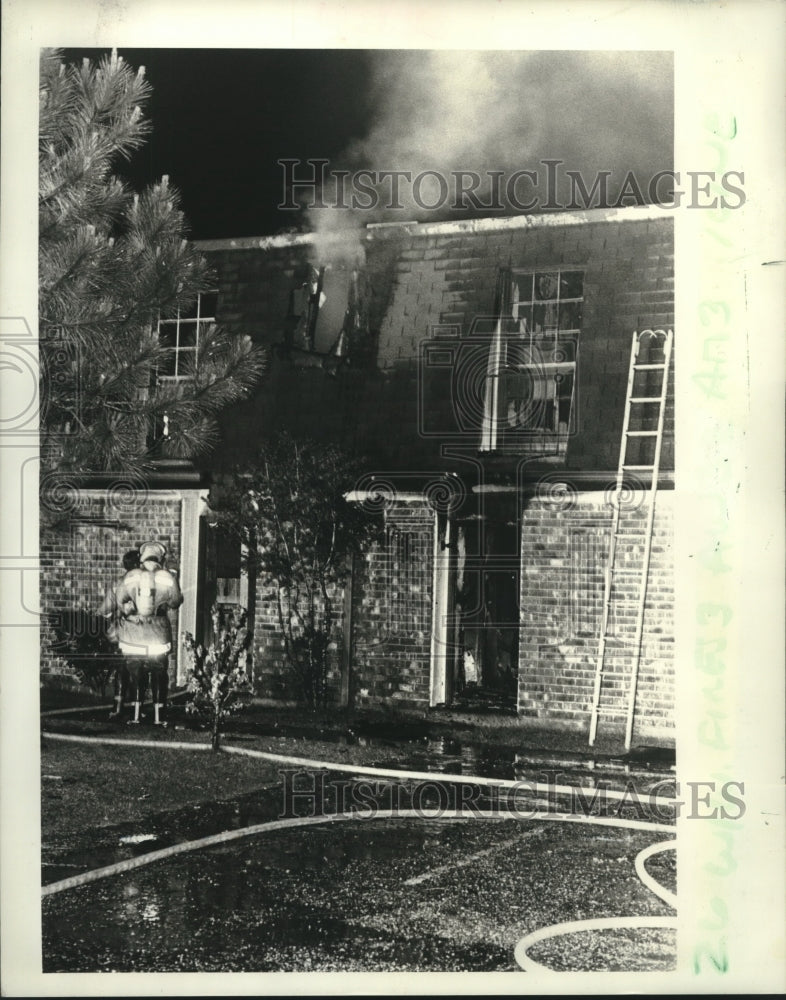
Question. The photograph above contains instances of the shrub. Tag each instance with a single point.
(288, 506)
(80, 639)
(217, 679)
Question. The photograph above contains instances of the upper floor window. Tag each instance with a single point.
(181, 336)
(531, 372)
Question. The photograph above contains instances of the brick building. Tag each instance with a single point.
(481, 368)
(88, 524)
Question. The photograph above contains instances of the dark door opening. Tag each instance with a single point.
(487, 613)
(223, 581)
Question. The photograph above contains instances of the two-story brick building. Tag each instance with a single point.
(482, 368)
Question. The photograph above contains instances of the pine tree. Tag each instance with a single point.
(111, 264)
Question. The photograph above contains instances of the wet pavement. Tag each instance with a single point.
(109, 844)
(302, 792)
(380, 894)
(416, 746)
(374, 895)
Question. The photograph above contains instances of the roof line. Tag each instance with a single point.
(375, 230)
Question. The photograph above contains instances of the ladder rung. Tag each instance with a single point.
(620, 570)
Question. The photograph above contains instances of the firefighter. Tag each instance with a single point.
(141, 600)
(130, 561)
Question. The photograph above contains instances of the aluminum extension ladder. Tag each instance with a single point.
(632, 403)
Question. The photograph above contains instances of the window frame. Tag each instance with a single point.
(543, 355)
(198, 321)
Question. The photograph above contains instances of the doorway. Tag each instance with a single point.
(487, 613)
(224, 580)
(476, 611)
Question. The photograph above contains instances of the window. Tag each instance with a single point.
(181, 336)
(531, 370)
(326, 322)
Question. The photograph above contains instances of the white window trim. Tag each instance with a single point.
(199, 321)
(494, 420)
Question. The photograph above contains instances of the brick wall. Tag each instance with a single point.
(81, 549)
(392, 612)
(254, 287)
(391, 621)
(254, 284)
(628, 286)
(564, 553)
(273, 677)
(423, 282)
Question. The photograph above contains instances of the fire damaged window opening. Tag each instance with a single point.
(181, 336)
(531, 373)
(326, 324)
(305, 301)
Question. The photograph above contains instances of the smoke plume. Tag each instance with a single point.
(507, 111)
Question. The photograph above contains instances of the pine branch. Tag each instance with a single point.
(110, 264)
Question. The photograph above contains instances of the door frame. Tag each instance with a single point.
(442, 612)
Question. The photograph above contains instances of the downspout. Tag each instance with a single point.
(188, 574)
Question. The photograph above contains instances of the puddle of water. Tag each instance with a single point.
(448, 755)
(337, 898)
(442, 754)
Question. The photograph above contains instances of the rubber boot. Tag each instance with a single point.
(137, 713)
(157, 720)
(118, 707)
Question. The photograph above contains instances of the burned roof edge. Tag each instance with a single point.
(381, 230)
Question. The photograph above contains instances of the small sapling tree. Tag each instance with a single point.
(217, 679)
(289, 508)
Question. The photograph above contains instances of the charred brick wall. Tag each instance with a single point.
(565, 547)
(254, 287)
(428, 282)
(254, 283)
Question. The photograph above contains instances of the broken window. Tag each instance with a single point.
(305, 301)
(326, 323)
(532, 362)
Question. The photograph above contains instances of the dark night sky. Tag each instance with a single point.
(222, 118)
